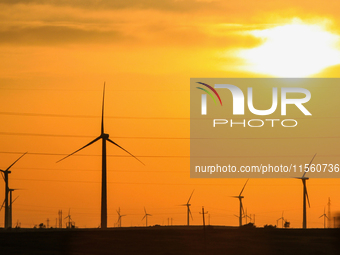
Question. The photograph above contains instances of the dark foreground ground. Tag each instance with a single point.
(170, 240)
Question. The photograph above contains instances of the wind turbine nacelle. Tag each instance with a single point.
(105, 136)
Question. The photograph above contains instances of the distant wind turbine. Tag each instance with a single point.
(146, 217)
(305, 194)
(104, 137)
(240, 197)
(188, 209)
(324, 218)
(11, 206)
(5, 174)
(69, 219)
(282, 219)
(120, 217)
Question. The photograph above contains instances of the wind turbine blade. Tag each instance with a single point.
(16, 161)
(241, 206)
(321, 216)
(145, 211)
(102, 127)
(3, 176)
(95, 140)
(190, 196)
(307, 194)
(190, 214)
(144, 217)
(108, 139)
(244, 187)
(309, 165)
(14, 200)
(3, 204)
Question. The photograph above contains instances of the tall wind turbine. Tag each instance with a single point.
(240, 197)
(324, 218)
(105, 138)
(120, 217)
(305, 195)
(5, 174)
(146, 217)
(188, 208)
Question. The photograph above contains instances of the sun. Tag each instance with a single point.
(292, 50)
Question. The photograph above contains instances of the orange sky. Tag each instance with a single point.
(55, 57)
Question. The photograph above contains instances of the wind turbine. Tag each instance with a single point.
(241, 206)
(305, 194)
(5, 174)
(69, 219)
(11, 205)
(120, 217)
(146, 217)
(324, 218)
(105, 138)
(281, 219)
(188, 208)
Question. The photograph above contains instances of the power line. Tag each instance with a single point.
(128, 117)
(87, 116)
(154, 183)
(169, 138)
(170, 156)
(88, 136)
(97, 170)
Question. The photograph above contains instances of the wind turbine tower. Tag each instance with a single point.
(120, 218)
(305, 195)
(146, 217)
(188, 209)
(240, 197)
(5, 176)
(105, 138)
(329, 212)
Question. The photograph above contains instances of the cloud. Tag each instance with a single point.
(168, 5)
(56, 35)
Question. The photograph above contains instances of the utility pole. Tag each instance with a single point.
(203, 213)
(60, 215)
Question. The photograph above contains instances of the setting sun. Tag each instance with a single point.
(292, 50)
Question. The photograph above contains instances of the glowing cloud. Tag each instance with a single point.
(292, 50)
